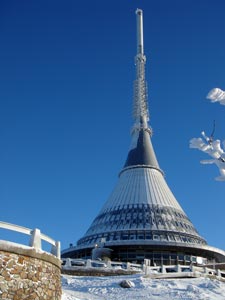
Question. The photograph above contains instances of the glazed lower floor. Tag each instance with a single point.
(157, 255)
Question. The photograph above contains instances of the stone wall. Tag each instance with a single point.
(28, 274)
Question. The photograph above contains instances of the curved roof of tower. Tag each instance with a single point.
(142, 200)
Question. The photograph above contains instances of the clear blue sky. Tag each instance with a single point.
(66, 85)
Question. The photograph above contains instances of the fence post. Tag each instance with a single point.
(56, 249)
(178, 268)
(35, 240)
(68, 262)
(218, 273)
(146, 265)
(88, 264)
(128, 266)
(163, 269)
(147, 270)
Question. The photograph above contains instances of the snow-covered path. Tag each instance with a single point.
(107, 288)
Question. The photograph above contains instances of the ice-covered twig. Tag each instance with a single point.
(213, 149)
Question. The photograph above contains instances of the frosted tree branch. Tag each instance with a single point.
(207, 144)
(212, 148)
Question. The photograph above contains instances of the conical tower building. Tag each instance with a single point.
(142, 219)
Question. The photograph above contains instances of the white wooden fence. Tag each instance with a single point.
(162, 271)
(166, 271)
(70, 263)
(35, 237)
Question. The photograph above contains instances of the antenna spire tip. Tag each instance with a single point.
(139, 11)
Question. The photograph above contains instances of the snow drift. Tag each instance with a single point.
(108, 288)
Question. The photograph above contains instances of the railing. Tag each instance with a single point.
(162, 271)
(35, 237)
(178, 270)
(70, 263)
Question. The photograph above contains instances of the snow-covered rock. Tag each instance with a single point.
(126, 284)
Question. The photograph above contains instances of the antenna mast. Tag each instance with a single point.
(140, 109)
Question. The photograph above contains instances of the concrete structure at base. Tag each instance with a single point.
(28, 274)
(142, 219)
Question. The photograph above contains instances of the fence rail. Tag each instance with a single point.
(178, 270)
(36, 237)
(89, 263)
(162, 271)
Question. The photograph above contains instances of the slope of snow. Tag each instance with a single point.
(107, 288)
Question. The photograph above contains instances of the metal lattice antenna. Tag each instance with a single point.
(140, 108)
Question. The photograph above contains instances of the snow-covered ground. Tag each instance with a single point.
(107, 288)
